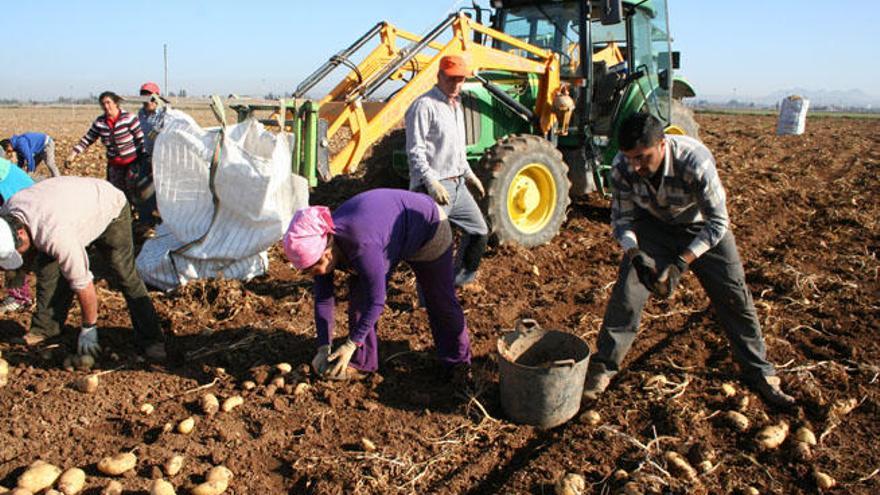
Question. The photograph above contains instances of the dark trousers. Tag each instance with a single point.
(115, 246)
(448, 325)
(721, 274)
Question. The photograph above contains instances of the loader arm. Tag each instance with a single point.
(420, 62)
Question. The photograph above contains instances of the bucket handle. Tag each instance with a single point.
(564, 362)
(525, 326)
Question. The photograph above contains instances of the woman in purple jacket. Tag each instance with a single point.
(368, 236)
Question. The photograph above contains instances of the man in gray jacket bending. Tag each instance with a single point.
(435, 145)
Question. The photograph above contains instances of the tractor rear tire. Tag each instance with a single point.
(683, 117)
(527, 188)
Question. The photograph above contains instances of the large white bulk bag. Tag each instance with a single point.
(255, 193)
(792, 116)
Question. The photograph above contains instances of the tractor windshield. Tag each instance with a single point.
(552, 26)
(651, 54)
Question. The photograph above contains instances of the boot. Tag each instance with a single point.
(769, 388)
(598, 379)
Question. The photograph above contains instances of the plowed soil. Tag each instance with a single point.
(805, 213)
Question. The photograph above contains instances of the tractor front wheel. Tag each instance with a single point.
(526, 190)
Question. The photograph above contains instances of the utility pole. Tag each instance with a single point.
(165, 49)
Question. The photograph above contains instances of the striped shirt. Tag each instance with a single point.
(123, 141)
(435, 139)
(690, 192)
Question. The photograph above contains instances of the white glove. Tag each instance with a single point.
(319, 362)
(87, 342)
(474, 181)
(437, 191)
(341, 356)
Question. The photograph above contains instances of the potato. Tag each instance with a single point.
(217, 480)
(823, 481)
(750, 490)
(118, 464)
(284, 368)
(705, 466)
(186, 426)
(592, 417)
(211, 488)
(173, 465)
(301, 388)
(3, 489)
(72, 481)
(146, 409)
(803, 452)
(83, 363)
(841, 408)
(805, 435)
(772, 437)
(87, 384)
(232, 402)
(570, 484)
(680, 465)
(737, 420)
(278, 381)
(248, 385)
(4, 372)
(112, 488)
(620, 475)
(39, 476)
(655, 381)
(368, 444)
(728, 390)
(162, 487)
(210, 404)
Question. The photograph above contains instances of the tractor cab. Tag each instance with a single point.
(615, 56)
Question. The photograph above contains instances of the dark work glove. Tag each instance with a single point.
(645, 268)
(670, 277)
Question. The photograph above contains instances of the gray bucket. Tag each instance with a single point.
(541, 374)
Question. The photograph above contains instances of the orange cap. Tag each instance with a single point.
(454, 66)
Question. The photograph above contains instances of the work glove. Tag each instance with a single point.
(474, 181)
(437, 191)
(645, 268)
(87, 342)
(669, 278)
(340, 359)
(319, 362)
(69, 160)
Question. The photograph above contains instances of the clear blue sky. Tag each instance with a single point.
(74, 48)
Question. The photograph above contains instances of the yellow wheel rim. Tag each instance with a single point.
(531, 198)
(674, 129)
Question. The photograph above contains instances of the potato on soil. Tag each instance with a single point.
(173, 465)
(4, 372)
(162, 487)
(728, 390)
(592, 417)
(680, 465)
(217, 480)
(186, 426)
(248, 385)
(146, 409)
(805, 435)
(824, 481)
(232, 402)
(112, 488)
(301, 388)
(117, 464)
(367, 444)
(737, 420)
(570, 484)
(772, 437)
(72, 481)
(39, 476)
(210, 404)
(284, 368)
(87, 384)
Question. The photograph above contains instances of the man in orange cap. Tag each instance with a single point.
(150, 117)
(438, 165)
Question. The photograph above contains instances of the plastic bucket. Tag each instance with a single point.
(541, 374)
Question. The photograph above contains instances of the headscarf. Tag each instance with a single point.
(306, 236)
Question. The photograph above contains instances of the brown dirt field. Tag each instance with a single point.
(804, 210)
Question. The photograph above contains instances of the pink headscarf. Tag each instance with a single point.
(306, 236)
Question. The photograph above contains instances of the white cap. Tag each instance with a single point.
(9, 257)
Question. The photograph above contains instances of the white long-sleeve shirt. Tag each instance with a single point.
(435, 139)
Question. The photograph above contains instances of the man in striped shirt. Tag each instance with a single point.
(669, 215)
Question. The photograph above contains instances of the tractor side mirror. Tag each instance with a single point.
(676, 60)
(612, 12)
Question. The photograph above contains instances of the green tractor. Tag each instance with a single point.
(616, 58)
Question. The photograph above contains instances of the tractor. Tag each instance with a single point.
(610, 57)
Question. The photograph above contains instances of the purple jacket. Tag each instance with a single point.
(375, 230)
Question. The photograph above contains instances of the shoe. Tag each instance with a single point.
(10, 305)
(464, 277)
(596, 384)
(156, 351)
(770, 390)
